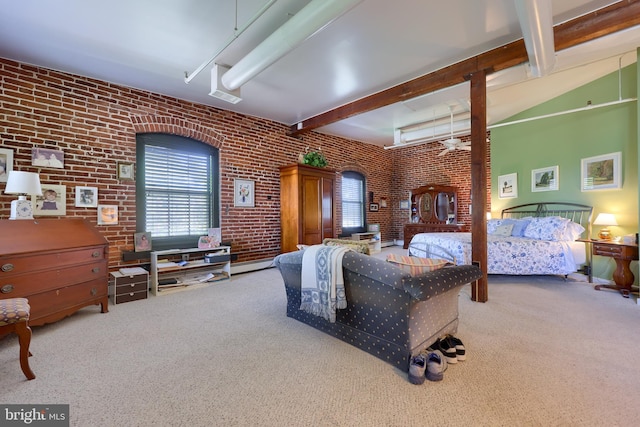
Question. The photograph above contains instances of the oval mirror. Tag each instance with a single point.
(442, 206)
(426, 207)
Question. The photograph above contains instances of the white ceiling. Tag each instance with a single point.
(151, 44)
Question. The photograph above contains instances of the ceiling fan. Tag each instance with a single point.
(454, 143)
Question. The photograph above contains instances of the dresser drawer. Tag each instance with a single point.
(128, 297)
(22, 285)
(27, 263)
(130, 287)
(607, 250)
(46, 303)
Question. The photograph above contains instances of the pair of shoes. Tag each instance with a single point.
(417, 368)
(447, 348)
(461, 352)
(452, 348)
(436, 365)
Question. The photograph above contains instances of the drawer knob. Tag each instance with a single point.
(6, 289)
(130, 294)
(95, 254)
(96, 269)
(7, 267)
(94, 292)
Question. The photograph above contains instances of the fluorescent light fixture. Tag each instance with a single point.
(218, 90)
(431, 131)
(312, 18)
(536, 22)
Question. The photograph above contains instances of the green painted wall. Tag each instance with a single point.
(566, 139)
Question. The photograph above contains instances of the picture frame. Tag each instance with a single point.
(86, 197)
(508, 186)
(125, 171)
(405, 204)
(47, 158)
(142, 242)
(52, 201)
(107, 214)
(545, 179)
(243, 193)
(602, 172)
(6, 163)
(374, 207)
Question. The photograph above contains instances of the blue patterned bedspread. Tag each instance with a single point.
(505, 255)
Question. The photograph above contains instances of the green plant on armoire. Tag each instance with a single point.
(314, 158)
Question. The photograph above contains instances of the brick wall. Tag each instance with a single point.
(95, 124)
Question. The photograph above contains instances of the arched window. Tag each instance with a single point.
(177, 189)
(353, 203)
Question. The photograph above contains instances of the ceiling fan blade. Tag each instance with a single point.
(464, 147)
(443, 152)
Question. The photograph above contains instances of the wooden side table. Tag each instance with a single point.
(623, 254)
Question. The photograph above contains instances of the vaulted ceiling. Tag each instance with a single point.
(379, 66)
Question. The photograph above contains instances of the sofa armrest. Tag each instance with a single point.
(440, 281)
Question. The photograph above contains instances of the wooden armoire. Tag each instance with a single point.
(307, 205)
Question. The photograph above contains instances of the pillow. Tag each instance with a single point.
(503, 230)
(573, 231)
(492, 224)
(519, 226)
(355, 245)
(547, 228)
(416, 266)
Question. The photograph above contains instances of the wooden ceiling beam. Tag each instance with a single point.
(614, 18)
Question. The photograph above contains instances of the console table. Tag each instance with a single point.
(623, 254)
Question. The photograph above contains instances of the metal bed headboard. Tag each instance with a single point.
(577, 213)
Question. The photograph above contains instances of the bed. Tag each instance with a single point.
(531, 239)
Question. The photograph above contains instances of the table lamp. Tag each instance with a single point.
(22, 183)
(605, 219)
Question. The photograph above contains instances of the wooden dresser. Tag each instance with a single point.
(59, 265)
(434, 208)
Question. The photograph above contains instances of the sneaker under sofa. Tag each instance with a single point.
(390, 314)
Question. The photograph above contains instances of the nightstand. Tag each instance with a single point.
(623, 254)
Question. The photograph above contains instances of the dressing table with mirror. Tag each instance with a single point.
(434, 208)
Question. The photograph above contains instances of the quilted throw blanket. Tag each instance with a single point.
(322, 281)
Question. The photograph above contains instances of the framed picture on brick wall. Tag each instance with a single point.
(87, 197)
(6, 163)
(243, 193)
(52, 202)
(107, 214)
(48, 158)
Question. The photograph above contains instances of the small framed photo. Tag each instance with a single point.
(45, 157)
(52, 202)
(405, 204)
(545, 179)
(601, 172)
(374, 207)
(6, 163)
(107, 214)
(86, 197)
(508, 186)
(125, 171)
(142, 242)
(243, 193)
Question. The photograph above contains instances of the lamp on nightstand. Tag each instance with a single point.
(605, 219)
(22, 183)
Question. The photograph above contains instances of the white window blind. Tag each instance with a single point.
(178, 191)
(352, 201)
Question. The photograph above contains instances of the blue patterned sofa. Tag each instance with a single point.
(390, 314)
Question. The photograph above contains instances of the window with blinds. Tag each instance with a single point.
(353, 202)
(177, 189)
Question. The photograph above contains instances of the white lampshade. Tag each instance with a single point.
(19, 182)
(605, 219)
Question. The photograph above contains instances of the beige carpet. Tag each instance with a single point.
(542, 352)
